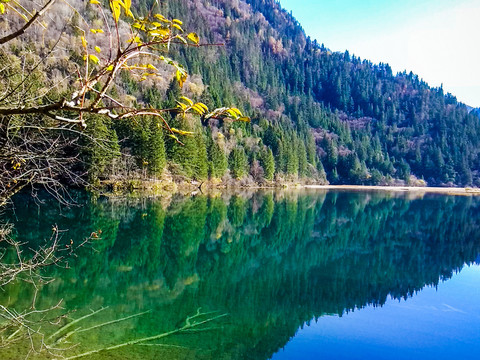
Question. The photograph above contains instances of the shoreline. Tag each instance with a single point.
(403, 189)
(158, 187)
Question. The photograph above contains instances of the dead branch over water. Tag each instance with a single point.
(193, 322)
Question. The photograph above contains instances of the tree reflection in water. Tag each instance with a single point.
(272, 261)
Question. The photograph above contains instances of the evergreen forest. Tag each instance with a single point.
(316, 116)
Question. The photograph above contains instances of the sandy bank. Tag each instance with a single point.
(436, 190)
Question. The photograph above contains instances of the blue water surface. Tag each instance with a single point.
(437, 323)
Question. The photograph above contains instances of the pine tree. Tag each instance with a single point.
(156, 149)
(302, 160)
(100, 154)
(199, 157)
(218, 160)
(268, 163)
(238, 162)
(183, 154)
(332, 153)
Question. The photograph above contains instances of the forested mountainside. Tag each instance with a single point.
(316, 115)
(368, 125)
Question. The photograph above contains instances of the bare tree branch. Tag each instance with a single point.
(29, 23)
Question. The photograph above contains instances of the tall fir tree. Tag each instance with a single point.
(268, 163)
(238, 162)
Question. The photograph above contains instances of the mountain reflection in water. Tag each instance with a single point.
(272, 261)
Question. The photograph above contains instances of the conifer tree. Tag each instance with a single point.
(101, 150)
(183, 154)
(302, 159)
(199, 157)
(268, 163)
(238, 162)
(218, 160)
(156, 149)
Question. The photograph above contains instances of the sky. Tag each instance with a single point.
(439, 40)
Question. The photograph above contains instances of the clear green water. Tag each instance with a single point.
(302, 275)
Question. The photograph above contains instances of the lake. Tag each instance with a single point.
(281, 275)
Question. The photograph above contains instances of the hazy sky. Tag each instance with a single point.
(437, 39)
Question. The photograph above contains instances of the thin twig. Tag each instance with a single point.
(22, 30)
(70, 324)
(150, 338)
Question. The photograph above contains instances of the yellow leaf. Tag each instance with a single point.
(128, 5)
(109, 68)
(182, 39)
(182, 105)
(93, 59)
(115, 6)
(176, 21)
(2, 8)
(95, 2)
(161, 18)
(198, 109)
(94, 31)
(159, 32)
(190, 102)
(235, 110)
(181, 77)
(84, 42)
(136, 39)
(97, 49)
(176, 26)
(193, 37)
(99, 31)
(151, 67)
(202, 105)
(232, 113)
(181, 132)
(244, 119)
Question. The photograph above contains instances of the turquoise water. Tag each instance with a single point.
(303, 275)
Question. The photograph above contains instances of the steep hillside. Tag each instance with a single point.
(316, 115)
(369, 125)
